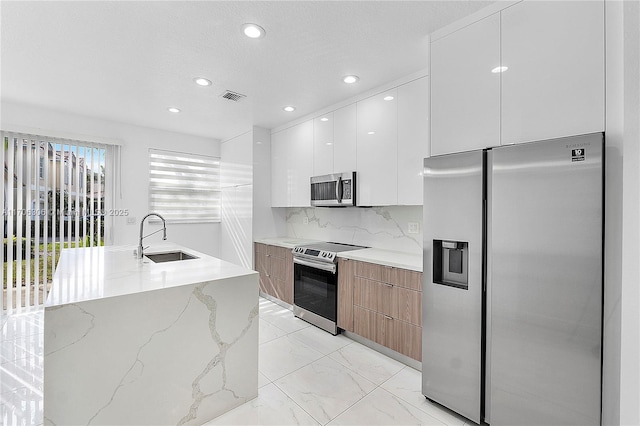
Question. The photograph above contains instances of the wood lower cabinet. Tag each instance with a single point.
(275, 265)
(346, 279)
(386, 305)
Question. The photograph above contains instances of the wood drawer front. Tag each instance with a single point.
(403, 337)
(409, 305)
(365, 293)
(376, 296)
(406, 278)
(397, 335)
(369, 325)
(411, 340)
(372, 271)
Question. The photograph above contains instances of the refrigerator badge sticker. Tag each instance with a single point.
(577, 154)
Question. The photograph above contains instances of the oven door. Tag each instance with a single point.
(315, 293)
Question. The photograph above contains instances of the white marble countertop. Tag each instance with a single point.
(92, 273)
(286, 242)
(411, 261)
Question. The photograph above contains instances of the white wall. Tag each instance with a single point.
(621, 373)
(135, 142)
(236, 173)
(246, 192)
(630, 294)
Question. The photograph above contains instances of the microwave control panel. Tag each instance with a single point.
(346, 189)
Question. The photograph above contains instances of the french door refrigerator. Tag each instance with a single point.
(513, 282)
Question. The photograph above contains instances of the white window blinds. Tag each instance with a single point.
(184, 188)
(57, 194)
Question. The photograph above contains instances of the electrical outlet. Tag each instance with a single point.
(131, 220)
(305, 220)
(413, 227)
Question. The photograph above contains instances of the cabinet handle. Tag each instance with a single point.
(388, 267)
(268, 255)
(387, 284)
(387, 317)
(267, 275)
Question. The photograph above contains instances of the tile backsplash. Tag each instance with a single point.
(380, 227)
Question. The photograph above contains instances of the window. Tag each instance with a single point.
(42, 215)
(184, 188)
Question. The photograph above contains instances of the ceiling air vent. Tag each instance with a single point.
(233, 96)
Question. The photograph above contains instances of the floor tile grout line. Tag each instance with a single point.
(376, 386)
(295, 402)
(332, 419)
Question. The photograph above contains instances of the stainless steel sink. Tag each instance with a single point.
(171, 256)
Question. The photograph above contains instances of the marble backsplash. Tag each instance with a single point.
(380, 227)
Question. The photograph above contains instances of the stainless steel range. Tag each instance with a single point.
(315, 283)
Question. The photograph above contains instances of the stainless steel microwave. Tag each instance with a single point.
(335, 190)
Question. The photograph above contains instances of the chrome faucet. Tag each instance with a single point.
(164, 233)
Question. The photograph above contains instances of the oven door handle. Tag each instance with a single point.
(329, 267)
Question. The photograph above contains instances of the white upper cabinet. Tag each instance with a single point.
(292, 166)
(279, 165)
(344, 139)
(465, 94)
(323, 145)
(377, 153)
(554, 85)
(413, 139)
(301, 165)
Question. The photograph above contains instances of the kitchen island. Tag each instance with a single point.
(130, 341)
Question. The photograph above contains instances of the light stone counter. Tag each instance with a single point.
(398, 259)
(129, 341)
(286, 242)
(411, 261)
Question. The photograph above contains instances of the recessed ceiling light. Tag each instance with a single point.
(289, 108)
(201, 81)
(499, 69)
(350, 79)
(253, 30)
(324, 119)
(329, 143)
(371, 133)
(173, 109)
(388, 98)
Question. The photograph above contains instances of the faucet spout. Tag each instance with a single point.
(140, 251)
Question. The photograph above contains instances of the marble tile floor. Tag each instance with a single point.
(307, 377)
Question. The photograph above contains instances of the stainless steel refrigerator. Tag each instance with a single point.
(513, 282)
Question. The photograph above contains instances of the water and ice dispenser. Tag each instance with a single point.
(450, 263)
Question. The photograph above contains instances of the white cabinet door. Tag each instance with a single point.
(300, 164)
(465, 94)
(344, 139)
(555, 82)
(377, 150)
(292, 166)
(323, 144)
(279, 168)
(413, 139)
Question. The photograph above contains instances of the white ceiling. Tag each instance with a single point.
(128, 61)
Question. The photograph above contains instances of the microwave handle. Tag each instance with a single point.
(339, 190)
